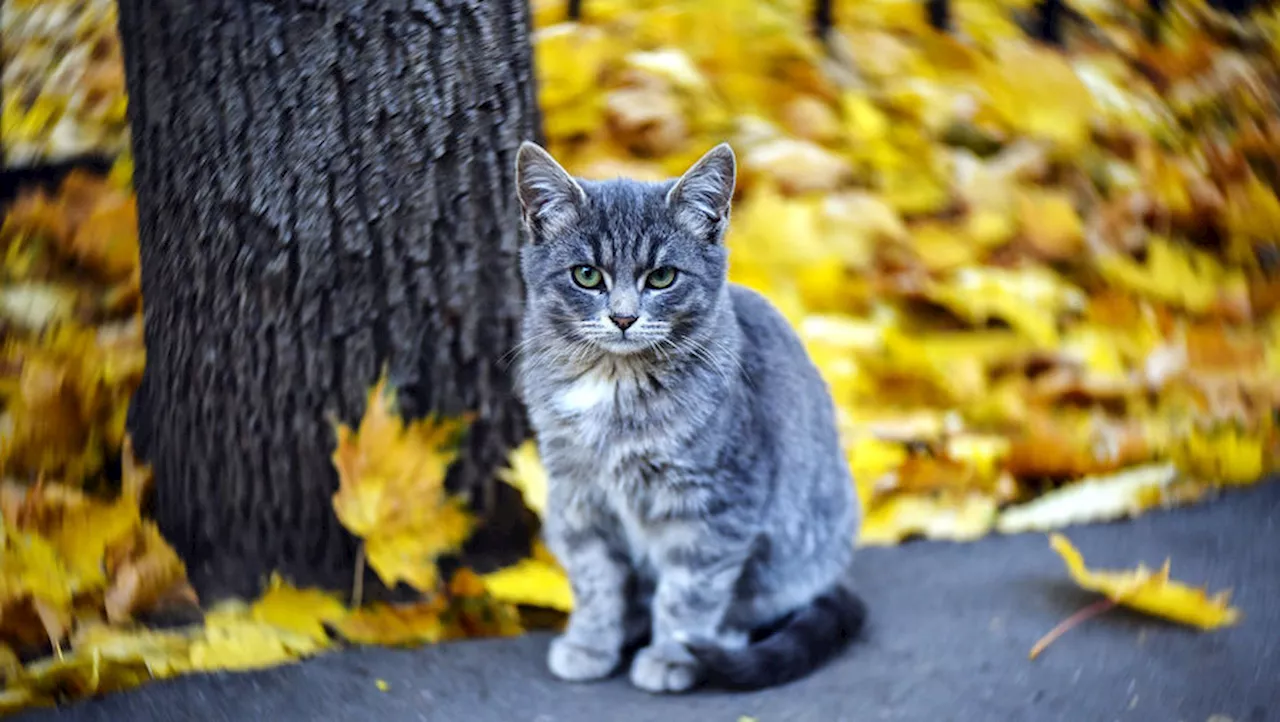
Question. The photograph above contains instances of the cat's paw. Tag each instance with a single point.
(666, 667)
(575, 662)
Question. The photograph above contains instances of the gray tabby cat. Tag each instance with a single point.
(699, 499)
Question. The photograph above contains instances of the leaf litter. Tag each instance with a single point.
(1039, 300)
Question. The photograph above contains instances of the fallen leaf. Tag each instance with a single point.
(524, 472)
(231, 640)
(1090, 499)
(145, 572)
(304, 612)
(395, 625)
(941, 516)
(1150, 591)
(391, 490)
(532, 582)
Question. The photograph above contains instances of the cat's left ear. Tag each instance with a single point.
(702, 196)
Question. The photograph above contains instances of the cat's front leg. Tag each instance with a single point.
(696, 584)
(583, 538)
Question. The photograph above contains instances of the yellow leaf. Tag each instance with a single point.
(391, 490)
(941, 516)
(1224, 455)
(10, 665)
(410, 554)
(1091, 499)
(233, 641)
(1180, 276)
(524, 472)
(532, 582)
(569, 60)
(1149, 591)
(163, 653)
(1035, 91)
(300, 611)
(395, 625)
(1050, 224)
(1031, 300)
(870, 459)
(30, 570)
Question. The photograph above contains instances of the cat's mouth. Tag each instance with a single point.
(623, 344)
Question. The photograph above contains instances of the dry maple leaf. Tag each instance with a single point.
(1146, 590)
(398, 625)
(476, 612)
(391, 490)
(145, 573)
(1017, 259)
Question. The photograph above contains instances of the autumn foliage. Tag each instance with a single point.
(1043, 285)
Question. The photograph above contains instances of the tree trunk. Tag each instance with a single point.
(324, 186)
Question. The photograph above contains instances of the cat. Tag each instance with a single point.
(698, 498)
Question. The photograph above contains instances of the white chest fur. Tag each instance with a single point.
(595, 390)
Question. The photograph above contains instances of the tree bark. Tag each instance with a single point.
(324, 186)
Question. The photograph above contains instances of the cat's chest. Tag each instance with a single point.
(594, 395)
(604, 409)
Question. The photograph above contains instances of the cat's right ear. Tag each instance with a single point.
(550, 199)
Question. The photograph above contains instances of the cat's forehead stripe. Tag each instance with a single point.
(627, 222)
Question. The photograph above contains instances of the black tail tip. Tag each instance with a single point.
(803, 642)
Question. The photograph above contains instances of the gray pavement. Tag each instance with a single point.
(949, 630)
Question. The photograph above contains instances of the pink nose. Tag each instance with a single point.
(623, 322)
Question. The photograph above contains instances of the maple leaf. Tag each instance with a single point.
(538, 581)
(303, 612)
(1008, 262)
(232, 640)
(524, 472)
(391, 490)
(1146, 590)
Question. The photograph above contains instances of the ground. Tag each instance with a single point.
(949, 632)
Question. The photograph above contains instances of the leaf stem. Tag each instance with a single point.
(1099, 607)
(357, 585)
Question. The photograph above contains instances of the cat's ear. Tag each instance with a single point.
(701, 198)
(550, 199)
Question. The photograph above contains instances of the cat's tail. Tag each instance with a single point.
(805, 641)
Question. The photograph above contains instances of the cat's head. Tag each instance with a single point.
(624, 266)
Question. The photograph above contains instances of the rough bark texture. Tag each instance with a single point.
(324, 186)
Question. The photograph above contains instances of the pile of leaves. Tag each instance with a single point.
(63, 81)
(1042, 282)
(84, 576)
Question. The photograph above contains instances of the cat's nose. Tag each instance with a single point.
(623, 322)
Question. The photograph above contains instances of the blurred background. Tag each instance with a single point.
(1034, 247)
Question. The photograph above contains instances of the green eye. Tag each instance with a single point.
(661, 277)
(587, 277)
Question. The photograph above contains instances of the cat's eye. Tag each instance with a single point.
(588, 276)
(661, 277)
